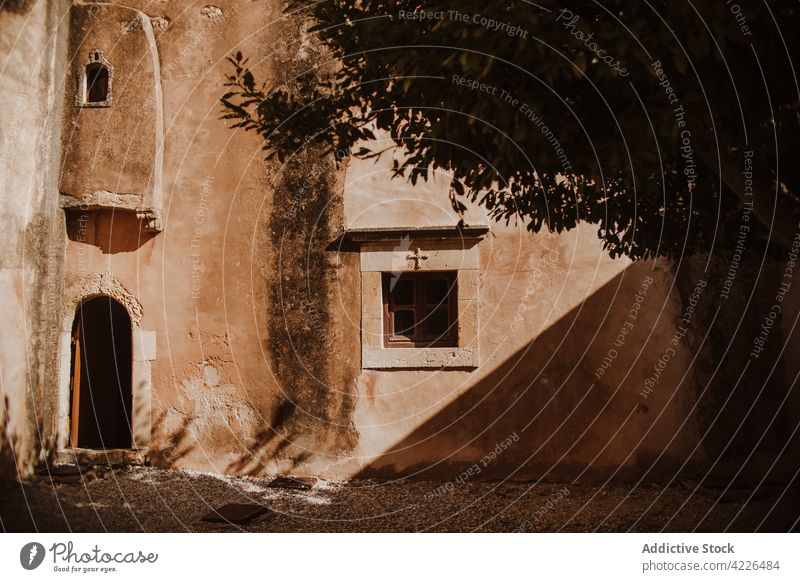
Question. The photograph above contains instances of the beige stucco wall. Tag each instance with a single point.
(224, 289)
(32, 42)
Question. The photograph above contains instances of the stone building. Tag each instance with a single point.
(170, 297)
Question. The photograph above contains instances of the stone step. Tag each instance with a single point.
(101, 457)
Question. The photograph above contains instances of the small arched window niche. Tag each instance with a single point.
(94, 81)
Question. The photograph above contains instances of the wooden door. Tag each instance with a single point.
(76, 387)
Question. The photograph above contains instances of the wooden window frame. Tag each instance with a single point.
(421, 310)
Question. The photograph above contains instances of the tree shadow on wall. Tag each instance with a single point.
(270, 444)
(175, 443)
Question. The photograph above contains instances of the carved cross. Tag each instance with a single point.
(417, 257)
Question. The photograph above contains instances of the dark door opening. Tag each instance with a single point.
(100, 414)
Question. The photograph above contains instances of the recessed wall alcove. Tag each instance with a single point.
(113, 147)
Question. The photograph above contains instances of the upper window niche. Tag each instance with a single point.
(94, 81)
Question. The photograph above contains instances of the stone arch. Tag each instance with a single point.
(99, 285)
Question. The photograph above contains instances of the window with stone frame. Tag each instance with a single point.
(420, 309)
(419, 296)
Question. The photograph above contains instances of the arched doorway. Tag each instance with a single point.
(101, 395)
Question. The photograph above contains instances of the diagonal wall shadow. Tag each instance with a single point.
(571, 424)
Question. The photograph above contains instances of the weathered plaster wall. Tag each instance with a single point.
(240, 290)
(253, 297)
(32, 45)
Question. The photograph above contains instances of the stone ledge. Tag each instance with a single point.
(438, 358)
(104, 200)
(467, 231)
(135, 456)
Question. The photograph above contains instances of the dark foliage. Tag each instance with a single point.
(634, 116)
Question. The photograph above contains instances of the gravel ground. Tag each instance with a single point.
(155, 500)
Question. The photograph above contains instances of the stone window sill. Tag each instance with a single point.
(439, 358)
